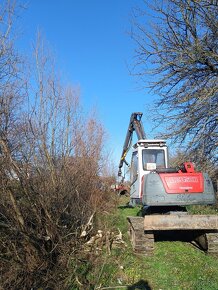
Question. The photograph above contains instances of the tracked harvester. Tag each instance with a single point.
(164, 193)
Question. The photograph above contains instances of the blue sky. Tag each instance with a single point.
(93, 50)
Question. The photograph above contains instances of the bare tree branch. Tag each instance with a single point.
(179, 55)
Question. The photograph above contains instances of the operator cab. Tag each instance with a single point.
(153, 154)
(148, 155)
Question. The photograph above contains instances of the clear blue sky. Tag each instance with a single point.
(93, 49)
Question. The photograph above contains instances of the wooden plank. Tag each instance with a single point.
(181, 222)
(136, 222)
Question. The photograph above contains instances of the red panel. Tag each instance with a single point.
(182, 182)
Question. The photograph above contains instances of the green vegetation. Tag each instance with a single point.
(175, 265)
(202, 209)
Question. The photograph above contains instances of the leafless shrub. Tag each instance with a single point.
(50, 166)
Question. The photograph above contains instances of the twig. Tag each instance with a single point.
(111, 287)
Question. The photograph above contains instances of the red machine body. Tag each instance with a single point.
(182, 182)
(185, 181)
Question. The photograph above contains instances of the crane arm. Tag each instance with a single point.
(135, 124)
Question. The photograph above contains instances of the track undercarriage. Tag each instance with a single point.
(202, 230)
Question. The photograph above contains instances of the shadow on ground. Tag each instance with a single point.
(140, 285)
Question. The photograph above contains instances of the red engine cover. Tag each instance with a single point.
(183, 182)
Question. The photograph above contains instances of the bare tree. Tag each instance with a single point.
(179, 51)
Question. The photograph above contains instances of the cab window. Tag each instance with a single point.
(134, 167)
(153, 156)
